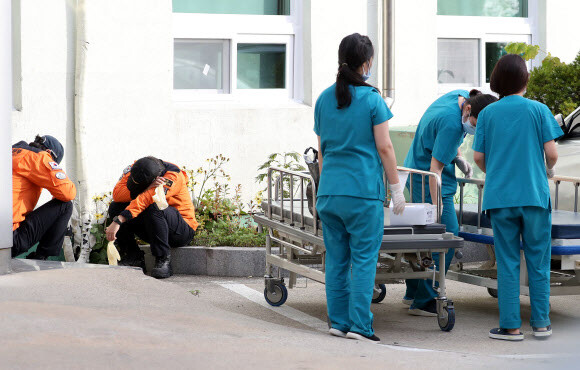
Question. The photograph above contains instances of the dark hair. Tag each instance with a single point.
(143, 172)
(353, 52)
(474, 92)
(478, 102)
(38, 143)
(510, 75)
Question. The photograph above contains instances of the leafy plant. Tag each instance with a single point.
(99, 251)
(287, 160)
(554, 83)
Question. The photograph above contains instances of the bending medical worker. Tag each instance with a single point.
(514, 145)
(435, 148)
(354, 147)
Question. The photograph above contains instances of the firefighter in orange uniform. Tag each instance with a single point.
(36, 166)
(134, 212)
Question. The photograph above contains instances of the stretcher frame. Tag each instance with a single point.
(297, 246)
(562, 282)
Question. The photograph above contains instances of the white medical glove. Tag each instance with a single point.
(550, 172)
(398, 198)
(464, 166)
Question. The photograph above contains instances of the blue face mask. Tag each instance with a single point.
(366, 76)
(468, 127)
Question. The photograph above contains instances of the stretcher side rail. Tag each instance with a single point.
(302, 178)
(423, 174)
(480, 184)
(557, 181)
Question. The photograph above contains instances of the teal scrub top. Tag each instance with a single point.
(351, 164)
(511, 133)
(439, 135)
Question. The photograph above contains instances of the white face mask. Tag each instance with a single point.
(367, 75)
(467, 126)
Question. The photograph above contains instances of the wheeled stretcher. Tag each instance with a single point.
(475, 228)
(294, 243)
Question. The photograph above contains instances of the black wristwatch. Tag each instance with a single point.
(116, 220)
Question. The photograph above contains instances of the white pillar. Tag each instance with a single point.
(5, 135)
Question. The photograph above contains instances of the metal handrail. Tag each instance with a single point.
(480, 184)
(559, 179)
(303, 176)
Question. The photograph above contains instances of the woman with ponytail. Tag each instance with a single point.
(435, 148)
(351, 122)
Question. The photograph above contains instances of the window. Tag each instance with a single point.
(257, 7)
(471, 35)
(483, 8)
(261, 66)
(230, 49)
(458, 61)
(201, 65)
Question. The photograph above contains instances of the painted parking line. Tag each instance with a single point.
(287, 311)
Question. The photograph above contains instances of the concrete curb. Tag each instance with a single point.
(214, 261)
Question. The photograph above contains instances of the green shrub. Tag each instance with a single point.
(556, 84)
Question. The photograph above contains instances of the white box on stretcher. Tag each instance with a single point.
(415, 214)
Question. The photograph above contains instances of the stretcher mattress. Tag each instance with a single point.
(296, 210)
(565, 224)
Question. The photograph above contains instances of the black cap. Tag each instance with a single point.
(50, 142)
(143, 172)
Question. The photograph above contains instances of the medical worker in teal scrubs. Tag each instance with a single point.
(435, 148)
(354, 148)
(514, 145)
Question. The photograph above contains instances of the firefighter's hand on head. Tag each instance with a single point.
(158, 181)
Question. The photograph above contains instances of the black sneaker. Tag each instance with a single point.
(364, 338)
(36, 256)
(162, 269)
(542, 334)
(430, 309)
(133, 260)
(503, 334)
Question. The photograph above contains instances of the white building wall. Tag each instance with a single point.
(46, 74)
(559, 28)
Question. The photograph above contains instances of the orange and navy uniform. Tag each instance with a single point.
(32, 170)
(176, 191)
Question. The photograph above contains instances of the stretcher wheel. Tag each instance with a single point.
(379, 293)
(447, 320)
(492, 292)
(278, 296)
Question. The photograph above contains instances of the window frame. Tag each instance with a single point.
(240, 28)
(488, 29)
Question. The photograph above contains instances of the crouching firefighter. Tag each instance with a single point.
(135, 213)
(36, 166)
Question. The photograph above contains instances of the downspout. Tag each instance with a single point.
(84, 214)
(5, 136)
(389, 52)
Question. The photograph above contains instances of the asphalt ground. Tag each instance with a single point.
(119, 318)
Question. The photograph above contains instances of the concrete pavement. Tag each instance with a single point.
(119, 318)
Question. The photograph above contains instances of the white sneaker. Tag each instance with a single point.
(364, 338)
(407, 302)
(337, 333)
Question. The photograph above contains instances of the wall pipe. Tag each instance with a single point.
(82, 49)
(388, 27)
(5, 135)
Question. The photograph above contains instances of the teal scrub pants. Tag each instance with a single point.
(534, 226)
(353, 231)
(421, 291)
